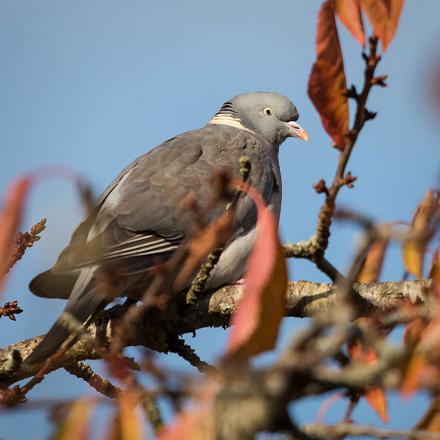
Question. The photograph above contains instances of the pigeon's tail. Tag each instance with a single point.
(83, 301)
(53, 285)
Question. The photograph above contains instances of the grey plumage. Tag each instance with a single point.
(139, 220)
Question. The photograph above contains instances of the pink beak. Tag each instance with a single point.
(297, 131)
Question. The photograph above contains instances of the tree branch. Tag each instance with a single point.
(158, 328)
(314, 248)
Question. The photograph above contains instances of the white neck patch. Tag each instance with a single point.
(223, 119)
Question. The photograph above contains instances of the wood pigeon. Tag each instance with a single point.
(138, 221)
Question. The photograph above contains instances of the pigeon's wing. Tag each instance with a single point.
(141, 214)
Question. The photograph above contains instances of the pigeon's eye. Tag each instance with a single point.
(267, 111)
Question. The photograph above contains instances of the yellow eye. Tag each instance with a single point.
(267, 111)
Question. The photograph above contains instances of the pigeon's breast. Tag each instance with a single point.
(232, 264)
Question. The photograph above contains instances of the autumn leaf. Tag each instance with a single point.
(127, 423)
(414, 248)
(372, 265)
(416, 366)
(417, 338)
(349, 13)
(327, 85)
(383, 16)
(13, 207)
(256, 321)
(10, 219)
(375, 396)
(76, 425)
(430, 422)
(215, 235)
(377, 400)
(395, 10)
(195, 423)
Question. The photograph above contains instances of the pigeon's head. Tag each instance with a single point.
(269, 114)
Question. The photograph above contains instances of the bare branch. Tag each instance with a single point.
(85, 372)
(314, 248)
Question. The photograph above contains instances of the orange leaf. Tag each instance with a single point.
(416, 366)
(383, 16)
(372, 265)
(10, 219)
(377, 12)
(431, 420)
(375, 396)
(130, 424)
(361, 354)
(327, 86)
(378, 401)
(214, 235)
(258, 316)
(393, 21)
(349, 12)
(414, 249)
(196, 423)
(77, 422)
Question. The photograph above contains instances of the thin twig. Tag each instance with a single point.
(26, 240)
(186, 352)
(85, 372)
(314, 248)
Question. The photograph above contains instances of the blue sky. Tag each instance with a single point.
(92, 85)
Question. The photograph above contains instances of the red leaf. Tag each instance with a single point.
(383, 16)
(256, 321)
(349, 12)
(10, 219)
(327, 85)
(372, 265)
(13, 207)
